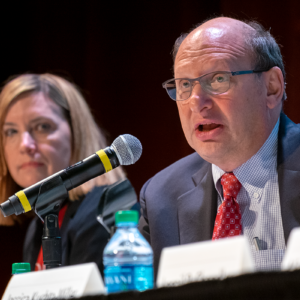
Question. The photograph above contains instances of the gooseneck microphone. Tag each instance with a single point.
(125, 150)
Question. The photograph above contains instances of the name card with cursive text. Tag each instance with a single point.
(205, 261)
(64, 282)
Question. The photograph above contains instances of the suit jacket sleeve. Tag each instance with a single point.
(143, 222)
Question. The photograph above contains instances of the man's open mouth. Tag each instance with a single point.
(208, 127)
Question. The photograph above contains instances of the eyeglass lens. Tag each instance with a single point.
(214, 83)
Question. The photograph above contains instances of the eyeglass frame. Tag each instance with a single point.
(198, 79)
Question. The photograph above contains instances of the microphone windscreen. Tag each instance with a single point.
(128, 149)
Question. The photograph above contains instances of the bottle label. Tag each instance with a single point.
(128, 277)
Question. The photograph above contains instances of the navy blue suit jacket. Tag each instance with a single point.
(179, 204)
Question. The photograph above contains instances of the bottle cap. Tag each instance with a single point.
(122, 216)
(18, 268)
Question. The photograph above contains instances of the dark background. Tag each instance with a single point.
(118, 52)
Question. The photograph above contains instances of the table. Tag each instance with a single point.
(266, 285)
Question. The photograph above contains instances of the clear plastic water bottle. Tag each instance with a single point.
(128, 257)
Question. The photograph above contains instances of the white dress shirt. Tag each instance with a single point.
(259, 203)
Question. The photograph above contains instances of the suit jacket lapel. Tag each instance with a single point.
(197, 208)
(288, 167)
(33, 242)
(71, 211)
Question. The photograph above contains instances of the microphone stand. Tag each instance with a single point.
(48, 213)
(51, 242)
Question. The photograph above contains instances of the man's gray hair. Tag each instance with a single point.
(262, 45)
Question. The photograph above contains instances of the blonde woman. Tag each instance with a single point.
(47, 126)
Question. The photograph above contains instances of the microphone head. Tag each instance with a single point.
(128, 149)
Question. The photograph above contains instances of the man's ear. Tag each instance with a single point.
(275, 87)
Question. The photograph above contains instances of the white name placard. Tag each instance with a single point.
(291, 259)
(204, 261)
(64, 282)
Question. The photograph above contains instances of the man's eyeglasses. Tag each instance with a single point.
(215, 83)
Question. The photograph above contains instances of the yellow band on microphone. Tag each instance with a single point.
(105, 160)
(24, 201)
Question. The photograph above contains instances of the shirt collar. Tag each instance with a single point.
(255, 171)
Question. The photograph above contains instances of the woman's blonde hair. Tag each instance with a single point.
(87, 138)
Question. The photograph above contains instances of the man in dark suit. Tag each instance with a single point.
(229, 87)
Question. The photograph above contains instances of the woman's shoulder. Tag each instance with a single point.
(106, 200)
(88, 203)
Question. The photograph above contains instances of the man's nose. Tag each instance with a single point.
(200, 100)
(28, 143)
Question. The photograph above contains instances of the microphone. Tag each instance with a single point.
(125, 150)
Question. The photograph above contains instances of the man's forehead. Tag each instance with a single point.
(219, 34)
